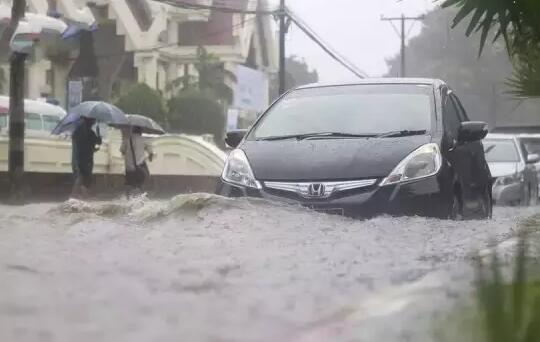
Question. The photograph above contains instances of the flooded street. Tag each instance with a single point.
(205, 268)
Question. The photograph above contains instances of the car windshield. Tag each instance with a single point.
(350, 110)
(501, 151)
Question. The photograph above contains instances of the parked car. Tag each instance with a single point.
(40, 117)
(515, 180)
(396, 146)
(531, 144)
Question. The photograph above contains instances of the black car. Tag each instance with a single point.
(394, 146)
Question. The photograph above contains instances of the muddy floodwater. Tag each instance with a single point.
(205, 268)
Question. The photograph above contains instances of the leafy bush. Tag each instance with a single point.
(197, 112)
(505, 310)
(143, 100)
(511, 311)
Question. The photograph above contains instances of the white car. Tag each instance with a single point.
(40, 117)
(531, 143)
(515, 179)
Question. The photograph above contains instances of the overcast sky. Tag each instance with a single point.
(354, 29)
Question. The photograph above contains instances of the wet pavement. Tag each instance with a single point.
(205, 268)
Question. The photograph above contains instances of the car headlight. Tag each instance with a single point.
(507, 180)
(423, 162)
(237, 171)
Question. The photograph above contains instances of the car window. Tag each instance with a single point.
(50, 122)
(531, 145)
(358, 109)
(461, 111)
(3, 121)
(451, 119)
(501, 151)
(33, 121)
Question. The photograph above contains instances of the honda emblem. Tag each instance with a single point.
(316, 190)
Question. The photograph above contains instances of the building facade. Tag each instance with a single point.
(112, 44)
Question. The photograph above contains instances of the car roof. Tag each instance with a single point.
(501, 136)
(37, 107)
(385, 80)
(529, 135)
(528, 129)
(512, 136)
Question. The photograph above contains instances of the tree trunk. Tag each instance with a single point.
(16, 112)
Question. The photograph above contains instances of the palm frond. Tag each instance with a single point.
(509, 17)
(525, 80)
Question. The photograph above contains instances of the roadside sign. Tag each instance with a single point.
(251, 89)
(232, 119)
(75, 92)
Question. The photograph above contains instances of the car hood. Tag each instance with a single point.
(504, 168)
(328, 159)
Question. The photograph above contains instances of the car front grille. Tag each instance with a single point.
(316, 190)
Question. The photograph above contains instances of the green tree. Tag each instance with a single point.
(195, 111)
(297, 74)
(212, 77)
(143, 100)
(518, 22)
(525, 81)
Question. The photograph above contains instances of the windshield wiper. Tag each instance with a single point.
(404, 133)
(318, 135)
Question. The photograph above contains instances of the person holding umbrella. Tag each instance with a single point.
(137, 150)
(85, 142)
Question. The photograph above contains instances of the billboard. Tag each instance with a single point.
(251, 89)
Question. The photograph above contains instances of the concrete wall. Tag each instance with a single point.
(182, 164)
(58, 186)
(175, 155)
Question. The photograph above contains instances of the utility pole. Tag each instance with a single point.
(16, 110)
(283, 26)
(403, 35)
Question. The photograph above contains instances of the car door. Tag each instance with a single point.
(480, 176)
(459, 156)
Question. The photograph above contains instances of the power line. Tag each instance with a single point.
(164, 46)
(403, 19)
(281, 13)
(330, 51)
(226, 9)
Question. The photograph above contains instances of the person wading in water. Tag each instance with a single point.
(85, 142)
(136, 151)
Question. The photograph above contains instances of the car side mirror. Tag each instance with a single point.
(234, 138)
(533, 158)
(471, 131)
